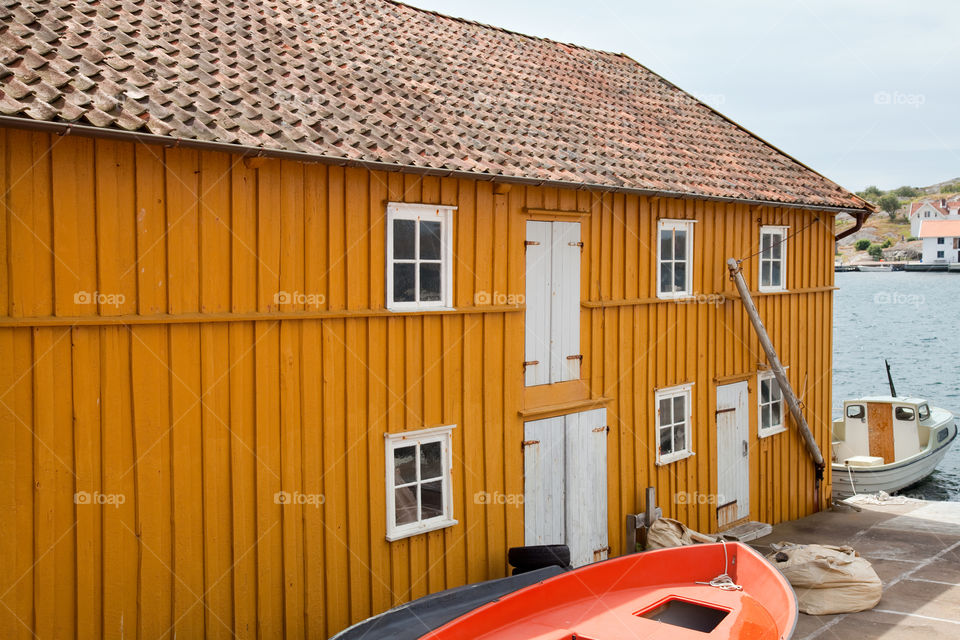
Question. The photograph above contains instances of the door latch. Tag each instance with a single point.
(746, 448)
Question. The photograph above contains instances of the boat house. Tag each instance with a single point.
(312, 308)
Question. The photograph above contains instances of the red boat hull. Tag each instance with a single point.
(650, 595)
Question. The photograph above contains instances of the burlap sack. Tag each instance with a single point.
(827, 579)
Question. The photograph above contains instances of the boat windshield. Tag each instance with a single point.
(924, 412)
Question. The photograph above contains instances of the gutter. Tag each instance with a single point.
(861, 217)
(65, 128)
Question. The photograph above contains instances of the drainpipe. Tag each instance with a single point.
(859, 217)
(781, 376)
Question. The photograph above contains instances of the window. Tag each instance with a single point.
(771, 406)
(419, 256)
(673, 424)
(904, 413)
(773, 258)
(675, 255)
(924, 412)
(856, 411)
(940, 240)
(419, 497)
(939, 254)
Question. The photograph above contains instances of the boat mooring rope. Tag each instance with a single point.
(850, 475)
(724, 581)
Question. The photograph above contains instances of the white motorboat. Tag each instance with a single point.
(878, 268)
(886, 443)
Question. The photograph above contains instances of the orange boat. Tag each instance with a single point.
(723, 590)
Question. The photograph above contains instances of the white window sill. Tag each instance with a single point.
(684, 295)
(426, 527)
(772, 431)
(674, 457)
(419, 309)
(772, 289)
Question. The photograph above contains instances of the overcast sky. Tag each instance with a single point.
(864, 91)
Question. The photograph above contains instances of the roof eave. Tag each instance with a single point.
(68, 128)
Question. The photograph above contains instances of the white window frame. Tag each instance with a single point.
(417, 212)
(772, 430)
(783, 231)
(443, 435)
(684, 390)
(676, 225)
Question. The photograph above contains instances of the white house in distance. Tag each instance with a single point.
(941, 240)
(933, 209)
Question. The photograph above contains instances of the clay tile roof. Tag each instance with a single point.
(940, 229)
(378, 81)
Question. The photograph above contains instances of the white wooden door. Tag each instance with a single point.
(733, 449)
(565, 484)
(552, 319)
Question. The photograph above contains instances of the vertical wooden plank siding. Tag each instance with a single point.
(203, 452)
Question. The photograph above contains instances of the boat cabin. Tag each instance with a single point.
(880, 430)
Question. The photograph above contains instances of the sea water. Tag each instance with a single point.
(912, 320)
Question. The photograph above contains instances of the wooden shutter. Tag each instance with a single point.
(538, 301)
(586, 486)
(543, 481)
(565, 311)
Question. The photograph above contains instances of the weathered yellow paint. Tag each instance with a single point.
(189, 388)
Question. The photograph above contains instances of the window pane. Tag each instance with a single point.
(404, 465)
(404, 284)
(430, 282)
(666, 244)
(679, 276)
(777, 249)
(775, 390)
(679, 413)
(680, 245)
(765, 242)
(403, 239)
(775, 274)
(666, 415)
(765, 273)
(666, 443)
(405, 504)
(765, 416)
(666, 277)
(775, 410)
(679, 438)
(430, 465)
(431, 499)
(429, 240)
(765, 391)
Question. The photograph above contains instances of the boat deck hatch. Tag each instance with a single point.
(689, 615)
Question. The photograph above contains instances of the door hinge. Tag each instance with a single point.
(530, 363)
(579, 357)
(597, 552)
(604, 428)
(530, 243)
(575, 244)
(528, 442)
(726, 410)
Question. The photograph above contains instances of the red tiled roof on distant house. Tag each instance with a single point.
(940, 229)
(373, 81)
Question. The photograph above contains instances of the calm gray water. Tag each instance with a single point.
(912, 320)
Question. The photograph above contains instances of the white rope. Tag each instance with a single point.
(724, 581)
(850, 475)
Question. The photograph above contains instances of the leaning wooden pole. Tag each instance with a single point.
(777, 368)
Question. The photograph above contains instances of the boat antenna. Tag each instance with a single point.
(893, 391)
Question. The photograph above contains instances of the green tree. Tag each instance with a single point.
(875, 251)
(871, 192)
(891, 204)
(907, 192)
(862, 244)
(886, 243)
(951, 188)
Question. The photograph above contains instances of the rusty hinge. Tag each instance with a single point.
(726, 410)
(579, 357)
(527, 442)
(603, 428)
(528, 243)
(530, 363)
(575, 244)
(597, 552)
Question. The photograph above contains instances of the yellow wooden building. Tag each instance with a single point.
(311, 310)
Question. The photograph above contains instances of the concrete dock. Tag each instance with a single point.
(914, 547)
